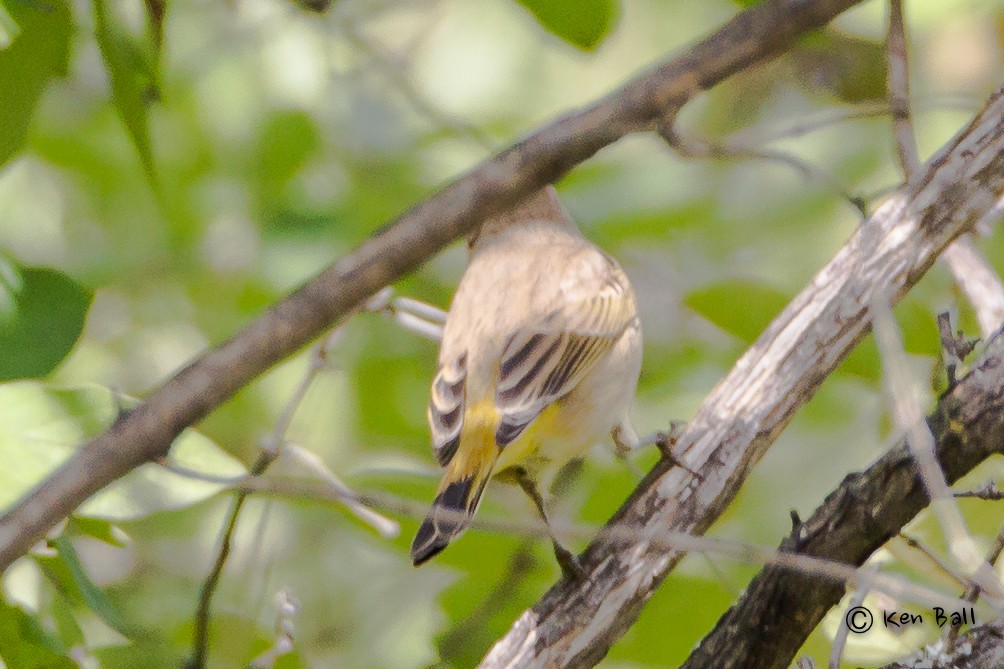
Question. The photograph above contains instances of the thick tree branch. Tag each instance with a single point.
(780, 607)
(147, 432)
(575, 623)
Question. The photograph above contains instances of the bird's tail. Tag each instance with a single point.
(451, 513)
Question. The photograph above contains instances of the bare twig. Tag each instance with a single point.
(973, 273)
(909, 419)
(272, 447)
(814, 567)
(935, 560)
(979, 282)
(954, 348)
(988, 491)
(288, 608)
(840, 640)
(692, 148)
(898, 84)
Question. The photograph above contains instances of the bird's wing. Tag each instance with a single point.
(543, 362)
(446, 408)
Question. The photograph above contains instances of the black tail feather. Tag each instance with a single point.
(450, 515)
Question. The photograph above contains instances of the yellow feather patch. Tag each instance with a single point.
(477, 452)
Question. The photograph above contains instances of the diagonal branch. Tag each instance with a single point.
(146, 433)
(574, 624)
(780, 607)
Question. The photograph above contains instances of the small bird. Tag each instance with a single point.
(539, 360)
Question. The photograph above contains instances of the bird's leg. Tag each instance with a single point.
(625, 441)
(568, 562)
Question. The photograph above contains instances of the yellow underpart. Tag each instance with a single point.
(547, 438)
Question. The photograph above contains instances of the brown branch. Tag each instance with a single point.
(781, 607)
(575, 623)
(146, 433)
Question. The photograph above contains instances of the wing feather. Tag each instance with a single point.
(446, 408)
(542, 364)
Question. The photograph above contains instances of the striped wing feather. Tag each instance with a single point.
(446, 408)
(541, 365)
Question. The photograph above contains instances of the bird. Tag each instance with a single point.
(539, 360)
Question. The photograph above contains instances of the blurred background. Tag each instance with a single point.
(168, 172)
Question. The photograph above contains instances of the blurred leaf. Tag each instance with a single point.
(155, 13)
(748, 3)
(582, 23)
(41, 316)
(68, 575)
(741, 308)
(64, 618)
(286, 142)
(24, 644)
(851, 68)
(39, 53)
(95, 528)
(9, 29)
(134, 82)
(42, 426)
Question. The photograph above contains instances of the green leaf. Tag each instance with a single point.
(24, 644)
(95, 528)
(35, 43)
(741, 308)
(851, 68)
(42, 426)
(41, 316)
(582, 23)
(9, 29)
(134, 82)
(68, 575)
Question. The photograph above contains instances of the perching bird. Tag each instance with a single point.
(539, 360)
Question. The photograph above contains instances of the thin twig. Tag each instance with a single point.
(892, 585)
(868, 572)
(909, 420)
(693, 148)
(270, 449)
(898, 84)
(385, 526)
(935, 559)
(988, 491)
(390, 66)
(906, 410)
(978, 280)
(973, 591)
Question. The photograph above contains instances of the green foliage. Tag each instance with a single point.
(741, 308)
(41, 426)
(24, 644)
(36, 49)
(134, 82)
(41, 316)
(581, 23)
(71, 580)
